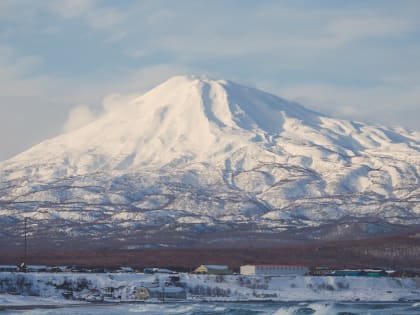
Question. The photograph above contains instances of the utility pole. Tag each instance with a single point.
(23, 264)
(26, 240)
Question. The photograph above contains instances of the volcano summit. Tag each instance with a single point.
(201, 160)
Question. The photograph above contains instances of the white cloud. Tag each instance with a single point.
(71, 8)
(13, 74)
(14, 65)
(386, 104)
(346, 30)
(275, 28)
(139, 80)
(117, 36)
(79, 116)
(104, 18)
(93, 14)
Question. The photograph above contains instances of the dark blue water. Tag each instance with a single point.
(310, 308)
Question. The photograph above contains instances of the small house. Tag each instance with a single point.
(141, 293)
(321, 271)
(213, 270)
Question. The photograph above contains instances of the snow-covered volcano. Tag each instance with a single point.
(184, 120)
(196, 153)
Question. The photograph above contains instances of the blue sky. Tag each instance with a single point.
(60, 59)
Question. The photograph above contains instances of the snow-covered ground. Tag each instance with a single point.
(48, 289)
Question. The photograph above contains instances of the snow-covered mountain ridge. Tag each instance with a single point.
(196, 152)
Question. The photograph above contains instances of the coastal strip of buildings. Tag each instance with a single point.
(212, 269)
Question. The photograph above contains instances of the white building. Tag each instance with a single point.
(274, 270)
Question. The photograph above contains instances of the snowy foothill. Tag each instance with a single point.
(50, 289)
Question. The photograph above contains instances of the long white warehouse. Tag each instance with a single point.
(274, 270)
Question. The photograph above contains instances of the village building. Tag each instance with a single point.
(150, 270)
(348, 273)
(141, 293)
(125, 269)
(213, 270)
(162, 293)
(321, 271)
(274, 270)
(9, 268)
(37, 268)
(373, 273)
(59, 269)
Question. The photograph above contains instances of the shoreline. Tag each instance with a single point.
(39, 306)
(267, 302)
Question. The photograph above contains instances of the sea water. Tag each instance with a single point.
(211, 308)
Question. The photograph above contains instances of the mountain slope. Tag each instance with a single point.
(196, 154)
